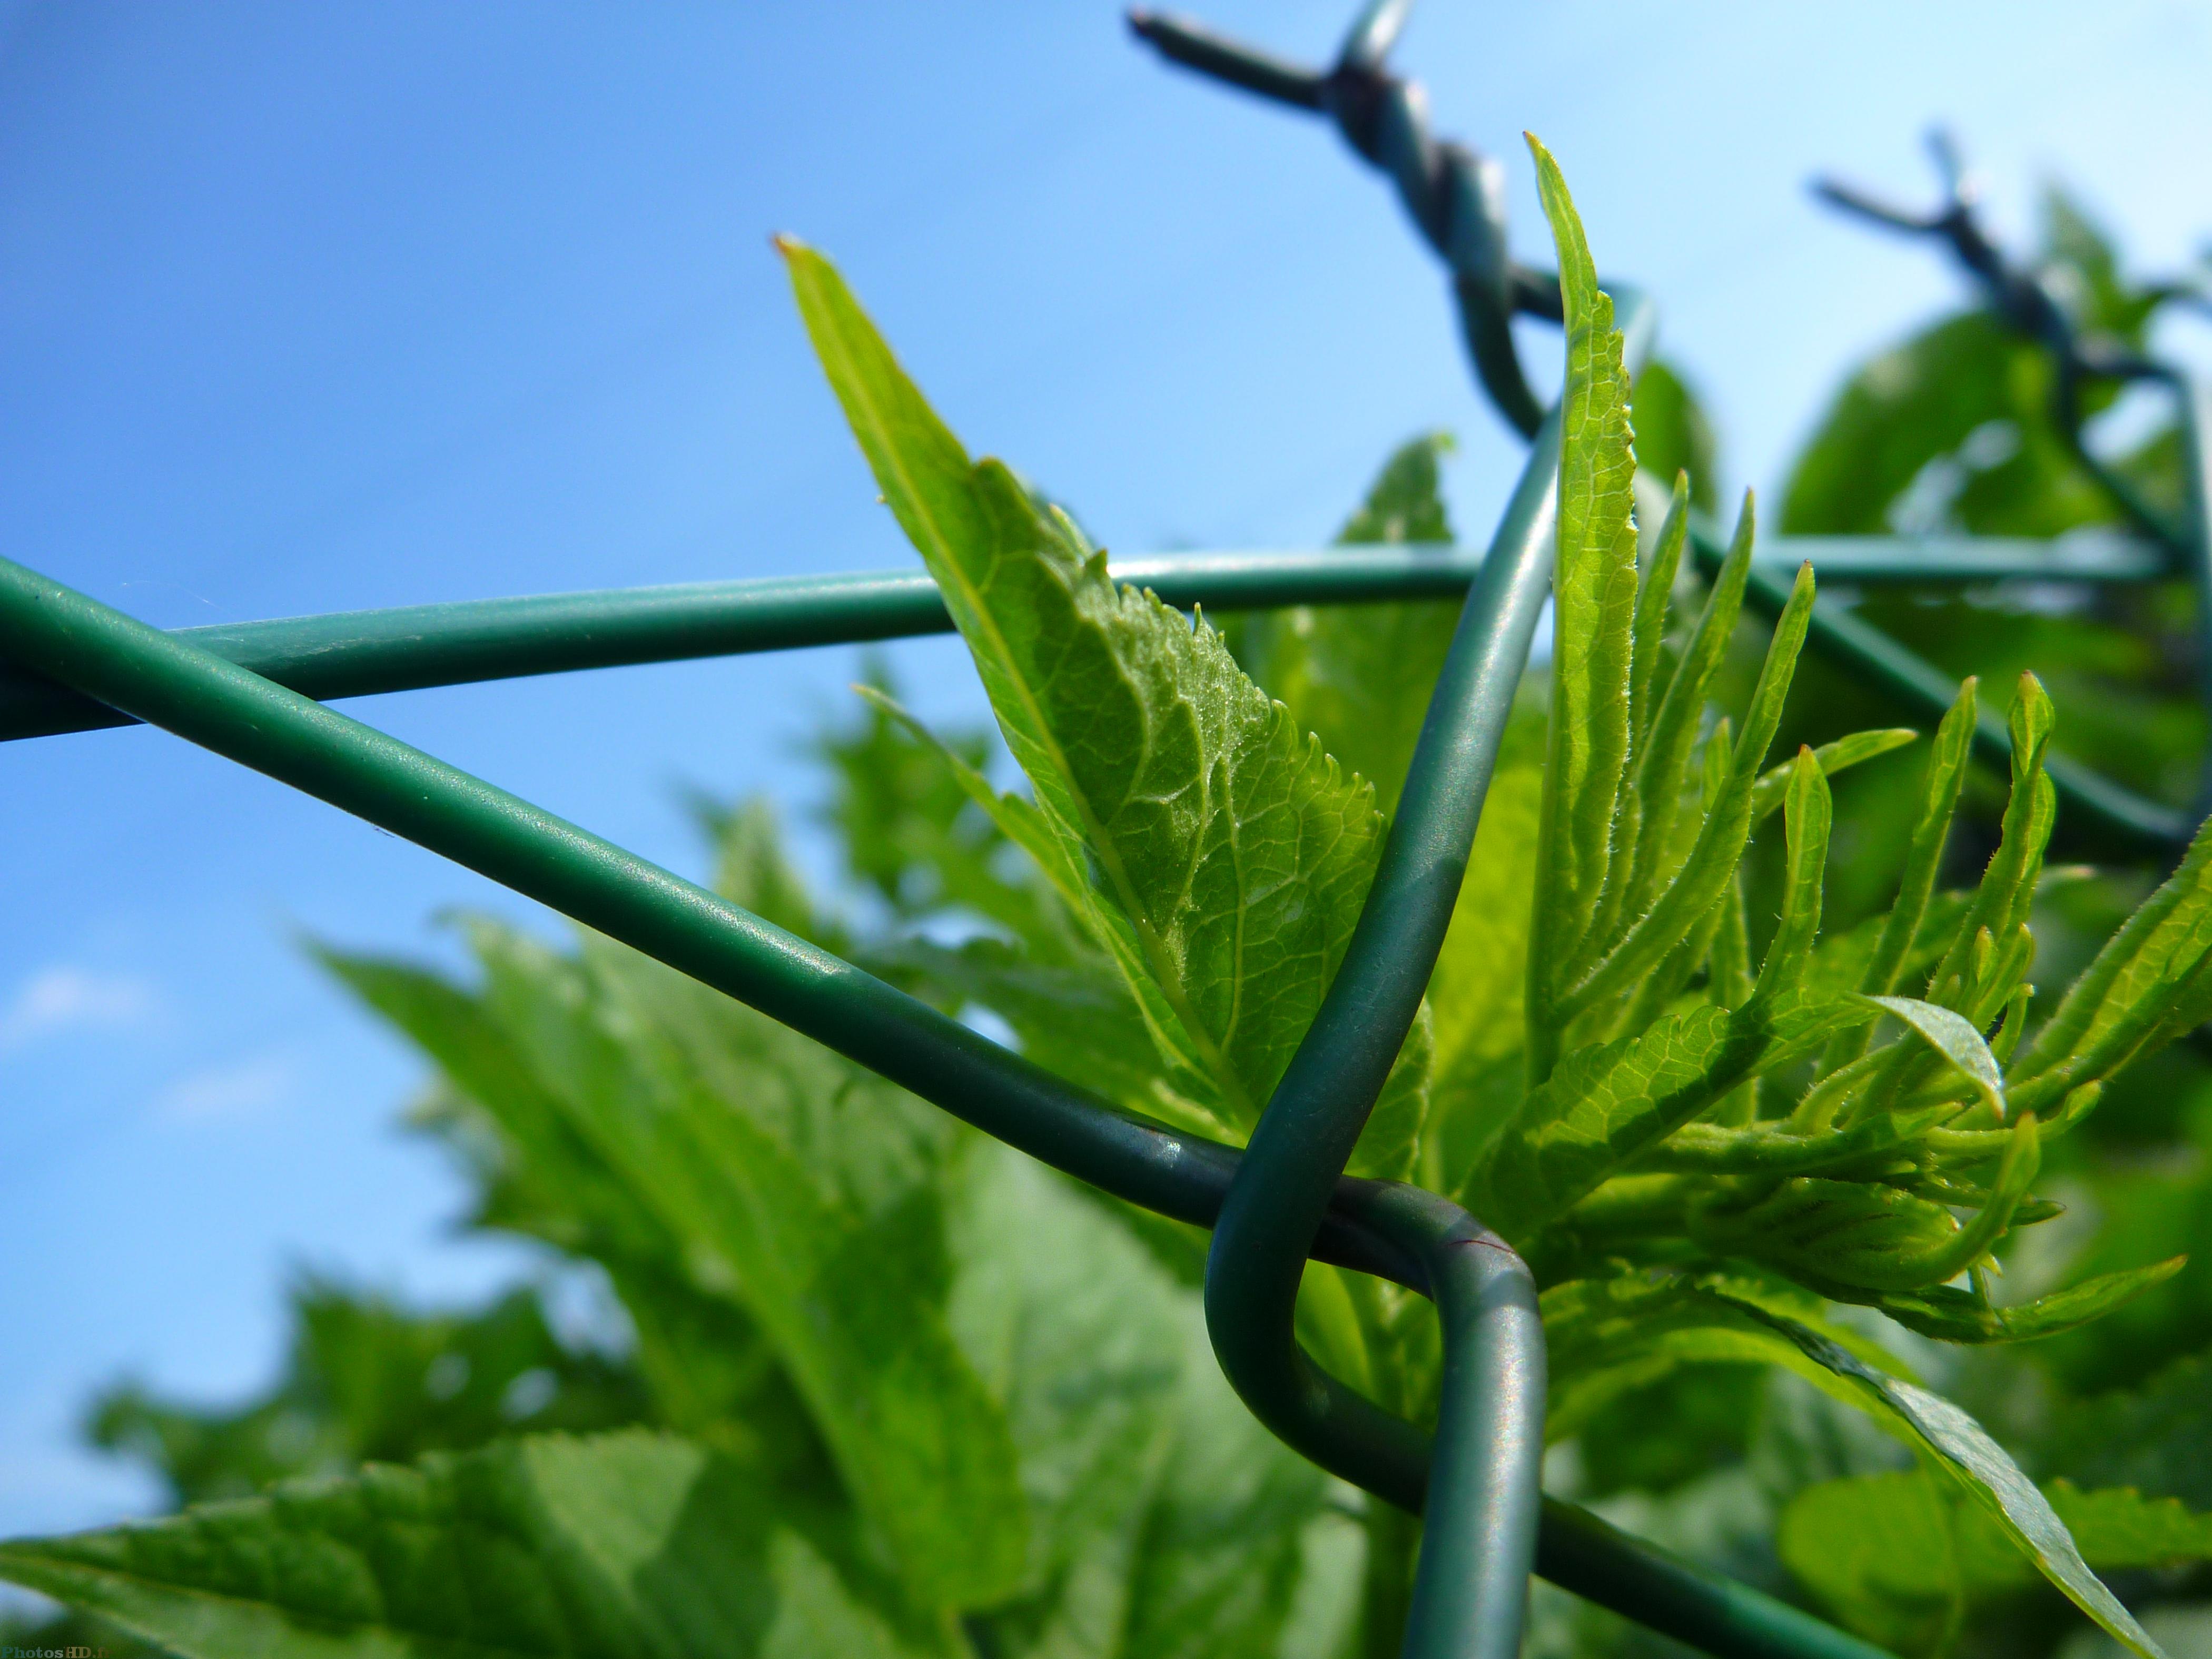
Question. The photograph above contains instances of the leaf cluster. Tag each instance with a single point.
(889, 1389)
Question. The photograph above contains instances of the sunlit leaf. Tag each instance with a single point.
(630, 1544)
(1231, 849)
(1358, 677)
(1606, 1104)
(1594, 597)
(1963, 1451)
(1953, 1036)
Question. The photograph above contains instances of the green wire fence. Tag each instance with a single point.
(253, 692)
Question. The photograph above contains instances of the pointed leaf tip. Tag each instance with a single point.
(1953, 1036)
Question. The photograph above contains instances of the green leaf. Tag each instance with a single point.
(1808, 815)
(1898, 1558)
(1907, 419)
(2157, 1438)
(909, 826)
(1882, 1553)
(702, 1356)
(1235, 854)
(791, 1184)
(1848, 1238)
(1952, 1036)
(1405, 502)
(1924, 858)
(1647, 636)
(1963, 1450)
(1359, 677)
(1389, 1146)
(1840, 756)
(2105, 300)
(1896, 951)
(2121, 1528)
(1720, 836)
(1168, 1521)
(1607, 1103)
(1068, 1322)
(1654, 601)
(1074, 1017)
(1594, 597)
(1161, 1518)
(815, 1613)
(1241, 1548)
(1770, 1149)
(799, 1174)
(2121, 1002)
(630, 1544)
(1184, 1091)
(1662, 762)
(1950, 1315)
(1672, 432)
(1606, 1337)
(369, 1379)
(2008, 885)
(1476, 991)
(750, 867)
(1729, 973)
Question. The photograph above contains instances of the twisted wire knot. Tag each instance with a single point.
(1454, 193)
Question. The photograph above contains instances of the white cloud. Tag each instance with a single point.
(222, 1094)
(62, 999)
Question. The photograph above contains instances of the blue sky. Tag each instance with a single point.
(321, 308)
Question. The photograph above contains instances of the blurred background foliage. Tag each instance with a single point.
(1746, 1467)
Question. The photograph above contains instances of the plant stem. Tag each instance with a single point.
(1394, 1542)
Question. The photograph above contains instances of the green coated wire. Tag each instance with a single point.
(1284, 1197)
(171, 682)
(1457, 200)
(354, 653)
(1483, 1509)
(1304, 1138)
(2025, 300)
(2095, 813)
(358, 654)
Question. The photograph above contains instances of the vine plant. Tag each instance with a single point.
(1715, 1136)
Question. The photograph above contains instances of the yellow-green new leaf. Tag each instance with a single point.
(1807, 818)
(1951, 1315)
(2140, 971)
(1662, 761)
(1840, 756)
(1721, 833)
(1234, 848)
(1606, 1104)
(1594, 595)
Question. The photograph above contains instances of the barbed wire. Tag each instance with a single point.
(2028, 300)
(1455, 194)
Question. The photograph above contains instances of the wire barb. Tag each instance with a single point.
(1454, 193)
(2029, 301)
(2026, 299)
